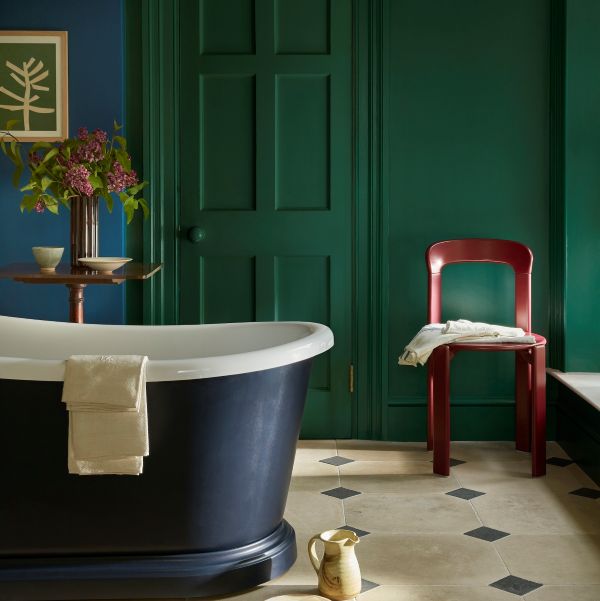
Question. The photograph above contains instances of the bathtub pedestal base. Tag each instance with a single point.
(149, 576)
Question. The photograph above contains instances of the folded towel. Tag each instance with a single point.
(104, 382)
(418, 350)
(478, 328)
(108, 422)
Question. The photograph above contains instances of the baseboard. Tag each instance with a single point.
(481, 419)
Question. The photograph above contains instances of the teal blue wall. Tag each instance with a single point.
(95, 99)
(582, 185)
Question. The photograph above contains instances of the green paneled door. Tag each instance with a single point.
(266, 172)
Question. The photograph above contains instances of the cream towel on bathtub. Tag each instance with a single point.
(108, 422)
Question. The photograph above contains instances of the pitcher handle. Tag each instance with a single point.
(312, 554)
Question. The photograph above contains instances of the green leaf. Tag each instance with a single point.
(52, 207)
(135, 189)
(116, 126)
(129, 211)
(96, 181)
(145, 207)
(46, 181)
(16, 176)
(123, 158)
(10, 124)
(50, 155)
(28, 202)
(122, 141)
(29, 186)
(39, 145)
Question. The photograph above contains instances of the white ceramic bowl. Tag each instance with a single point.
(47, 257)
(104, 264)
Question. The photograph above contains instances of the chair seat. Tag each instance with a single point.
(501, 346)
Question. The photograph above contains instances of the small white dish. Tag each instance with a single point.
(47, 257)
(104, 264)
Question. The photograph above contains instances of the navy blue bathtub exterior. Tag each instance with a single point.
(205, 517)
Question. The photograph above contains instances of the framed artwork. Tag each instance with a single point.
(34, 84)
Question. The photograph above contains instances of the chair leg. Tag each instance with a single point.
(430, 388)
(441, 411)
(538, 409)
(522, 401)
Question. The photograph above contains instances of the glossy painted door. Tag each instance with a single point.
(266, 200)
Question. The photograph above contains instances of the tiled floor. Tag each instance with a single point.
(489, 532)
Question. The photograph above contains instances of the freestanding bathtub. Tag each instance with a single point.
(225, 404)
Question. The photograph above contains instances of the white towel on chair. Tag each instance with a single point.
(478, 328)
(108, 422)
(418, 350)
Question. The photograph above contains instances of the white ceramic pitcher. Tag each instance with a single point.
(338, 571)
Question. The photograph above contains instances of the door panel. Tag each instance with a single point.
(266, 173)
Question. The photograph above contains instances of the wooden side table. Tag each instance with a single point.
(76, 279)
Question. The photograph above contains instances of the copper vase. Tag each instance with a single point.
(84, 228)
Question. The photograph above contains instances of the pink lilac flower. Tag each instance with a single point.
(40, 207)
(77, 179)
(34, 158)
(90, 152)
(118, 179)
(82, 134)
(100, 135)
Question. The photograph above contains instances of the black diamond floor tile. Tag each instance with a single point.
(358, 531)
(465, 493)
(367, 585)
(590, 493)
(341, 492)
(516, 585)
(487, 534)
(559, 461)
(336, 460)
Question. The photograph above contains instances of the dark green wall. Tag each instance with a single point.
(582, 185)
(457, 133)
(468, 114)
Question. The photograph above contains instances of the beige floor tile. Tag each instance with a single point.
(264, 593)
(450, 559)
(553, 559)
(313, 450)
(310, 512)
(412, 514)
(565, 593)
(553, 449)
(538, 512)
(314, 476)
(487, 451)
(375, 450)
(582, 478)
(508, 476)
(401, 477)
(437, 593)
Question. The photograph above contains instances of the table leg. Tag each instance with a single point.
(76, 302)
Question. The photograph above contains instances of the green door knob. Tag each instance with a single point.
(196, 234)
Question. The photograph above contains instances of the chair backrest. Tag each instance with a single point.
(480, 250)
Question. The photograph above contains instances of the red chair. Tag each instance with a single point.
(530, 361)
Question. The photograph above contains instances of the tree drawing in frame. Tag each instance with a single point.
(33, 84)
(28, 79)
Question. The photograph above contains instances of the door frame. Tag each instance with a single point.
(151, 48)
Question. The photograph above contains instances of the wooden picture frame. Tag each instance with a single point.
(34, 85)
